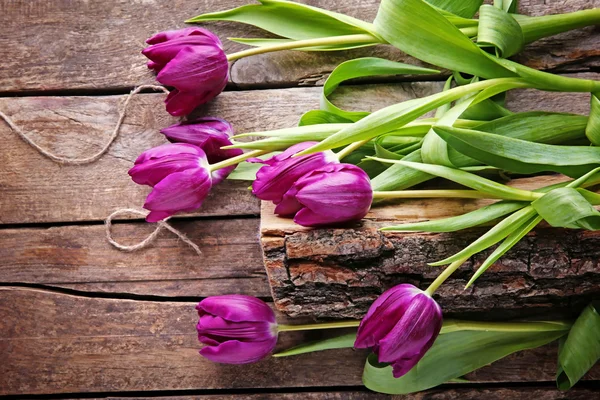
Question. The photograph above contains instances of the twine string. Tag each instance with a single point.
(94, 157)
(144, 243)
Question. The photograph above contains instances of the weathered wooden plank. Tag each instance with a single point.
(492, 393)
(56, 343)
(339, 272)
(35, 189)
(65, 44)
(80, 258)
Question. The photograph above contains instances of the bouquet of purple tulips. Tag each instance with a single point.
(337, 164)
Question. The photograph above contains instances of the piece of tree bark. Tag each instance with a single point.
(62, 44)
(57, 343)
(35, 189)
(339, 272)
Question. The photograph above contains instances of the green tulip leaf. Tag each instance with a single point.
(568, 208)
(499, 29)
(592, 130)
(292, 20)
(454, 355)
(471, 219)
(315, 117)
(581, 349)
(518, 155)
(461, 8)
(360, 68)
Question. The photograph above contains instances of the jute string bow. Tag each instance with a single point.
(94, 157)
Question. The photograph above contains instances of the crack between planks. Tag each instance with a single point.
(178, 393)
(107, 295)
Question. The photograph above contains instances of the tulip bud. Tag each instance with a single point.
(400, 326)
(210, 134)
(236, 329)
(179, 175)
(191, 60)
(281, 171)
(332, 194)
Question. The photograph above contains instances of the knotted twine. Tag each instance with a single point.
(94, 157)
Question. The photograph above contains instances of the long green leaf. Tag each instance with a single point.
(420, 30)
(291, 20)
(501, 230)
(581, 350)
(518, 155)
(462, 8)
(505, 246)
(496, 190)
(474, 218)
(339, 342)
(395, 116)
(360, 68)
(592, 130)
(454, 355)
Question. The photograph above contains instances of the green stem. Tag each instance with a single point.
(325, 325)
(445, 275)
(451, 325)
(535, 28)
(424, 194)
(299, 44)
(346, 151)
(237, 159)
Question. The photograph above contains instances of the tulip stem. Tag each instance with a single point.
(237, 159)
(453, 325)
(445, 275)
(346, 151)
(299, 44)
(325, 325)
(423, 194)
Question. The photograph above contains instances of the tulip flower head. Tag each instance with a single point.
(400, 326)
(191, 60)
(331, 194)
(210, 134)
(236, 329)
(281, 171)
(179, 175)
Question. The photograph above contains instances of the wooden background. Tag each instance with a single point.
(78, 318)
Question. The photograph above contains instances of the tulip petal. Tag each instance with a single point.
(236, 308)
(236, 352)
(384, 314)
(220, 329)
(178, 192)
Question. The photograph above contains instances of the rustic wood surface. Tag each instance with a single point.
(57, 343)
(96, 44)
(79, 318)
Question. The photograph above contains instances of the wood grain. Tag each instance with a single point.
(80, 258)
(35, 189)
(66, 44)
(520, 393)
(339, 272)
(56, 343)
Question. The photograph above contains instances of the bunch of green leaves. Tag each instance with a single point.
(567, 205)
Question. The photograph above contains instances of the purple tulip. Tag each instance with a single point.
(400, 326)
(281, 171)
(210, 134)
(179, 175)
(191, 60)
(332, 194)
(236, 329)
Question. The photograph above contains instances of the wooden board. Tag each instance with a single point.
(35, 189)
(446, 393)
(80, 258)
(56, 343)
(339, 272)
(65, 44)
